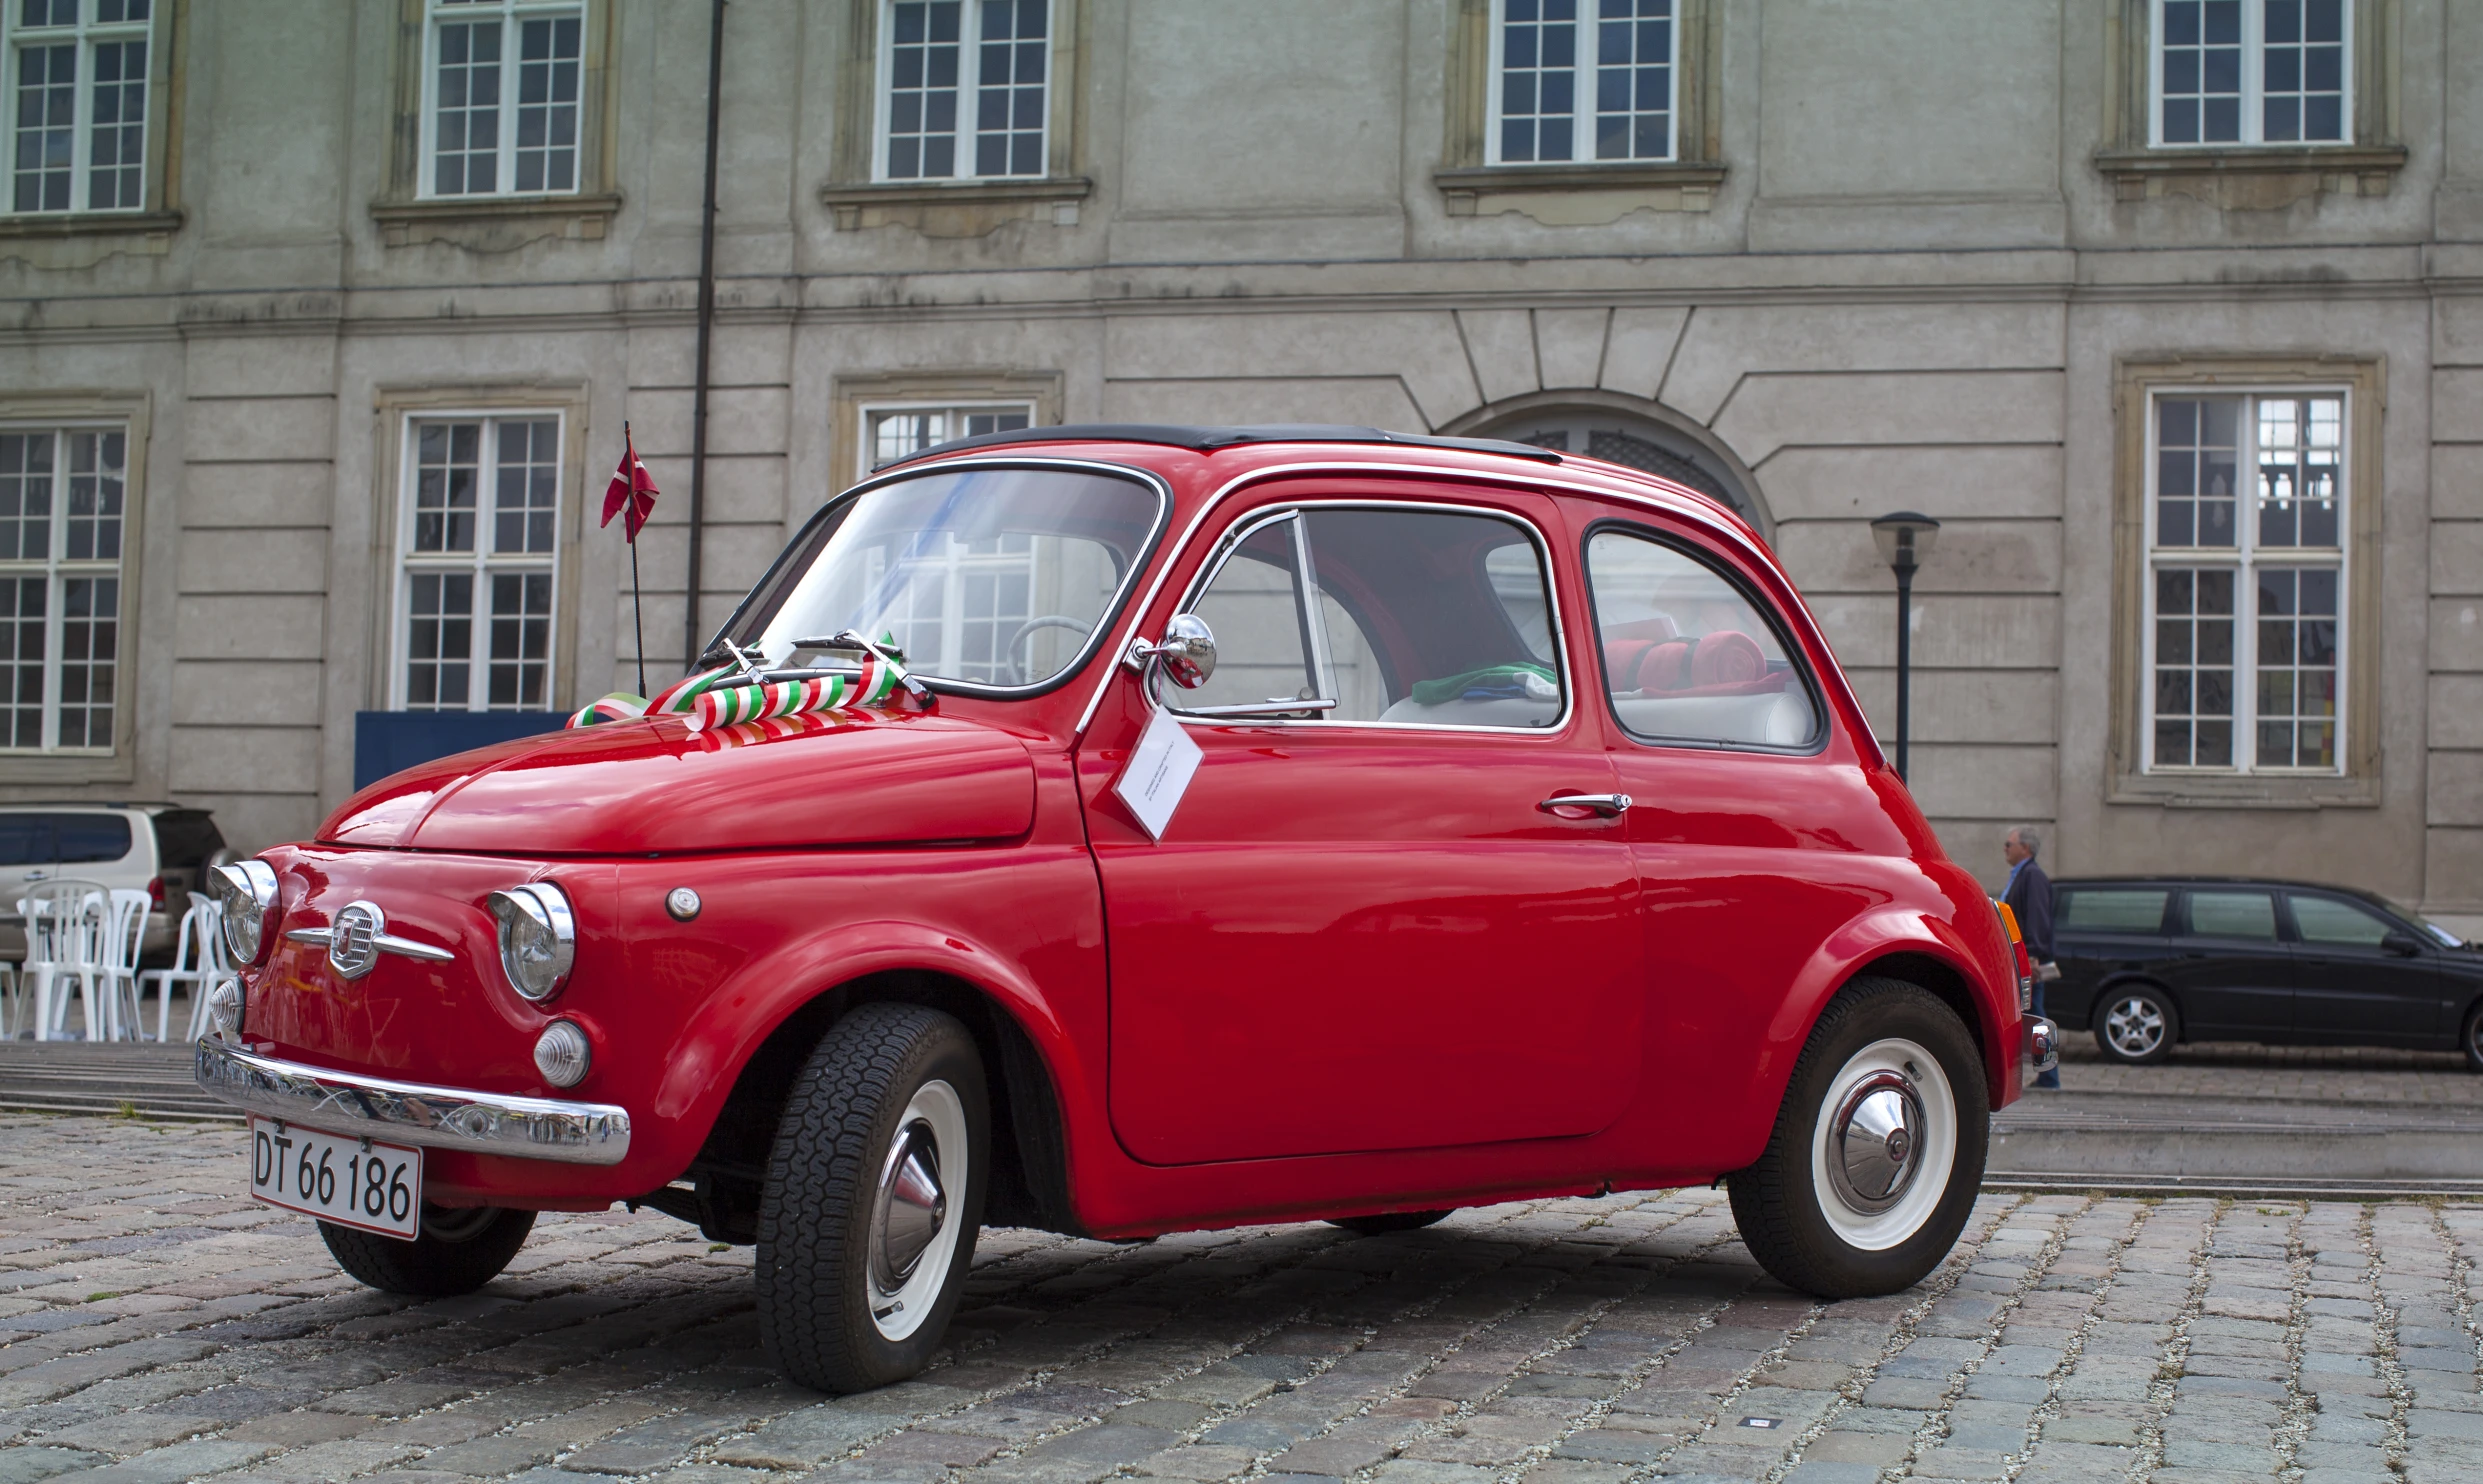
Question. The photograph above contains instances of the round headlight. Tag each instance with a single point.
(538, 941)
(246, 893)
(561, 1054)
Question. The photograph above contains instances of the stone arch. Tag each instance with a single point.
(1625, 430)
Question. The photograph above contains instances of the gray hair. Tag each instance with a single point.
(2029, 837)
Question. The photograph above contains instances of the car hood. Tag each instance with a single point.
(650, 786)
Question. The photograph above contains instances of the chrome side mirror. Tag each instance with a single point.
(1186, 654)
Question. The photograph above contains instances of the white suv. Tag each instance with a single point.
(161, 849)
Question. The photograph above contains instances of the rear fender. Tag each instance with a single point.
(1892, 931)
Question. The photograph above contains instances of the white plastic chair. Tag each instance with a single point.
(125, 918)
(197, 961)
(64, 932)
(12, 1000)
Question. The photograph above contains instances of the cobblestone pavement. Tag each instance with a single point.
(2237, 1069)
(154, 1325)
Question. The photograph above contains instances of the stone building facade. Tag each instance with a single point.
(2168, 309)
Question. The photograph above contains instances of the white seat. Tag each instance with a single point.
(65, 923)
(197, 961)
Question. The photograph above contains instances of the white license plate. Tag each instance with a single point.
(374, 1186)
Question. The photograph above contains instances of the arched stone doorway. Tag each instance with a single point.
(1624, 431)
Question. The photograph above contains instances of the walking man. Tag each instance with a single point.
(2029, 895)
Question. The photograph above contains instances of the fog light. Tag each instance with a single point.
(561, 1054)
(224, 1007)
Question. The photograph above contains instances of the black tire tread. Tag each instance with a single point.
(820, 1182)
(1763, 1194)
(428, 1267)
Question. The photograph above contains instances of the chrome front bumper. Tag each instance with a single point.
(412, 1112)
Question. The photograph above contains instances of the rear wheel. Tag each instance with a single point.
(1878, 1147)
(2136, 1024)
(873, 1198)
(1393, 1221)
(2472, 1038)
(460, 1249)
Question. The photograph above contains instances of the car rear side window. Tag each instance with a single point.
(185, 838)
(2329, 921)
(88, 838)
(2112, 909)
(1687, 656)
(2233, 914)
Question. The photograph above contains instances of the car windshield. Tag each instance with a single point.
(991, 577)
(2447, 939)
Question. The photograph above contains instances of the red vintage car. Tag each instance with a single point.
(1270, 824)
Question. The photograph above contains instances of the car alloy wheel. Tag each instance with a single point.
(2473, 1039)
(2135, 1026)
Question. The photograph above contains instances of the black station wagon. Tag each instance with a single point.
(2150, 961)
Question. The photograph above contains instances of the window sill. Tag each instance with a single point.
(911, 202)
(56, 769)
(469, 220)
(2366, 170)
(1486, 190)
(2237, 791)
(93, 224)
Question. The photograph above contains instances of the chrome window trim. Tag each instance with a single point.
(356, 1106)
(1231, 541)
(1147, 478)
(1689, 509)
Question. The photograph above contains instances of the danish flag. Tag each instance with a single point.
(632, 489)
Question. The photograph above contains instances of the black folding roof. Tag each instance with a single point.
(1206, 440)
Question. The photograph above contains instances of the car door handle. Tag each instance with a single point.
(1603, 806)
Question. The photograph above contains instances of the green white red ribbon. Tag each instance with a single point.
(718, 698)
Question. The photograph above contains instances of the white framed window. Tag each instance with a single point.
(893, 431)
(76, 122)
(2245, 598)
(2252, 72)
(500, 105)
(1583, 81)
(963, 85)
(478, 542)
(63, 504)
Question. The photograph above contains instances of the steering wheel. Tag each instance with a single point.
(1008, 651)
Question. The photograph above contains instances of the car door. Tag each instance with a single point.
(2231, 971)
(2104, 932)
(2351, 989)
(1751, 850)
(1360, 930)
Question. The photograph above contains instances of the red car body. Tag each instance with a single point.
(1363, 973)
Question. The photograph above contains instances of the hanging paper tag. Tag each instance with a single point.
(1158, 773)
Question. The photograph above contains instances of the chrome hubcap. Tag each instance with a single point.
(1875, 1142)
(2134, 1026)
(911, 1207)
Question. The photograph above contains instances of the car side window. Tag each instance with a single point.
(2337, 923)
(2098, 909)
(25, 839)
(2233, 914)
(88, 838)
(1687, 656)
(1403, 616)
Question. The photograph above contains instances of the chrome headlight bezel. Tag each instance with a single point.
(538, 938)
(245, 893)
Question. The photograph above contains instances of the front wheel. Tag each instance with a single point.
(1878, 1147)
(2135, 1024)
(873, 1198)
(457, 1250)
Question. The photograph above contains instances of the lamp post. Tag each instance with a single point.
(1904, 538)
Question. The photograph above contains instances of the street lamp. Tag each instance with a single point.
(1904, 538)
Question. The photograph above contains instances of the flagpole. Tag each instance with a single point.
(637, 598)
